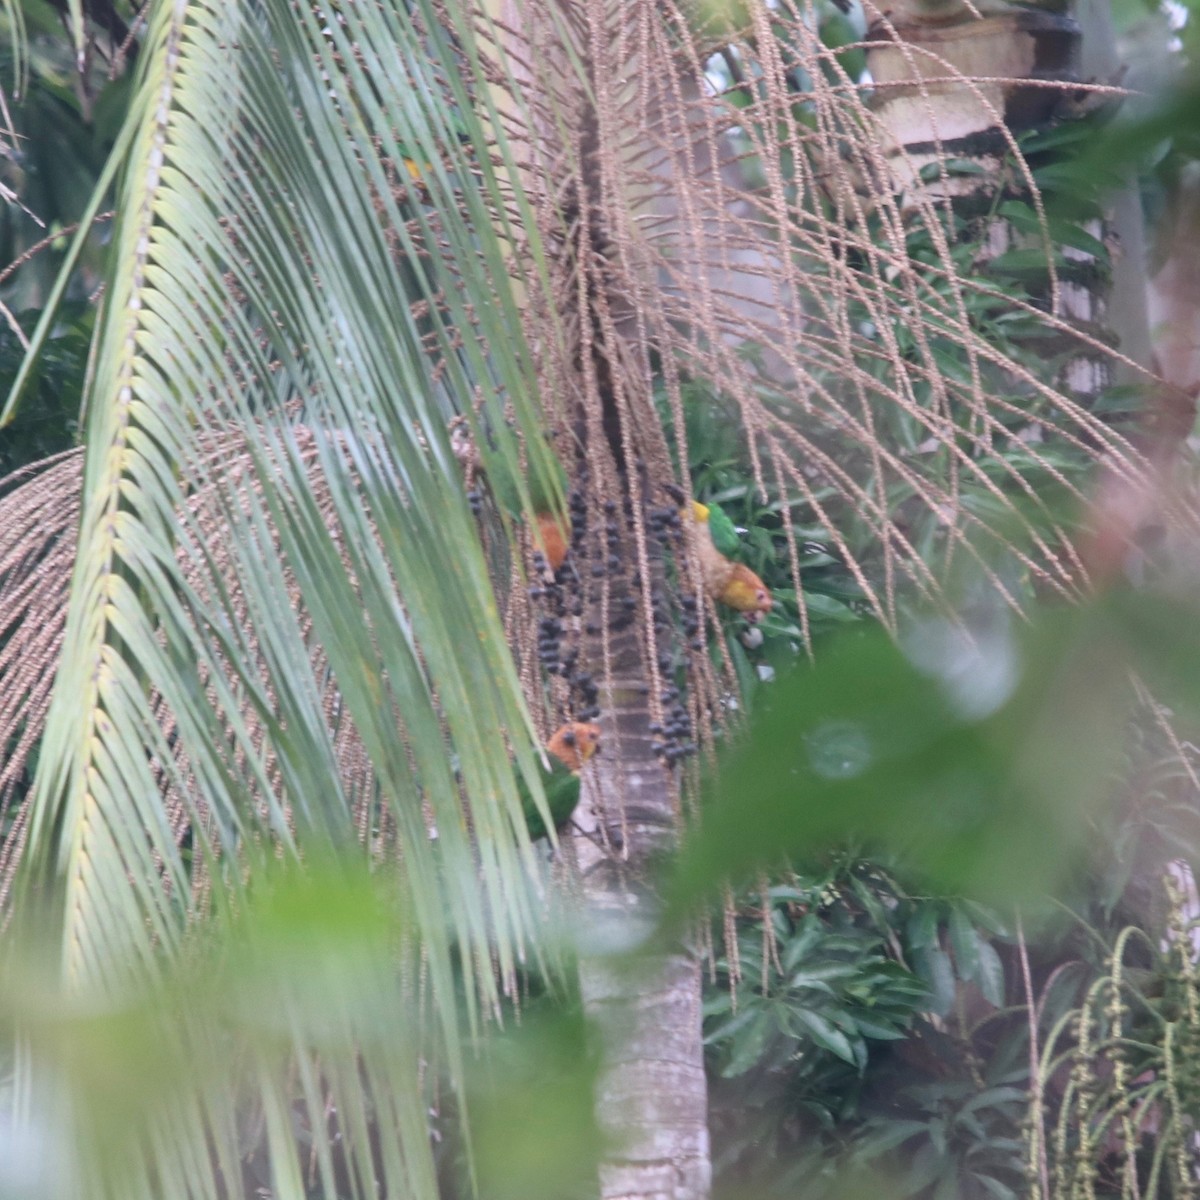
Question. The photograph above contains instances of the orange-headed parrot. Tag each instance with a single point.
(570, 747)
(727, 582)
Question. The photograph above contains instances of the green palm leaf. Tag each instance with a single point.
(267, 409)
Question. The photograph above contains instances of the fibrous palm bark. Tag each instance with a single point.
(651, 1091)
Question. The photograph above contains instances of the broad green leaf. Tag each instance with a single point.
(964, 943)
(990, 974)
(935, 967)
(747, 1046)
(826, 1035)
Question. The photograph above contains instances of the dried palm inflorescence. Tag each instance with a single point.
(41, 511)
(727, 213)
(37, 552)
(675, 265)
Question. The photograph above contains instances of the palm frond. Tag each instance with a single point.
(274, 547)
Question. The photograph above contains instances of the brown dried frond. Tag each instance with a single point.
(40, 507)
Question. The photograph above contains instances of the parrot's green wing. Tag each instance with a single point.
(562, 795)
(544, 476)
(724, 536)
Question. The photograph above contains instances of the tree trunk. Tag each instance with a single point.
(651, 1095)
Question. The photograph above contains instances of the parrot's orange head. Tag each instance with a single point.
(554, 534)
(574, 744)
(747, 593)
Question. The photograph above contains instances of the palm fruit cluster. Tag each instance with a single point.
(586, 585)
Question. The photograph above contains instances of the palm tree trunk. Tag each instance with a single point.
(651, 1096)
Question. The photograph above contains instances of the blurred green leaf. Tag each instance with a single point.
(530, 1109)
(287, 1007)
(825, 1035)
(964, 942)
(868, 746)
(990, 972)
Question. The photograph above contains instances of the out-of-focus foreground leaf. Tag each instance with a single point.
(982, 758)
(284, 1050)
(531, 1109)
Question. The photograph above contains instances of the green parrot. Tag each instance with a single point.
(720, 528)
(419, 167)
(546, 480)
(726, 581)
(568, 750)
